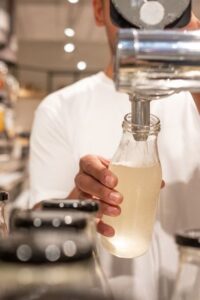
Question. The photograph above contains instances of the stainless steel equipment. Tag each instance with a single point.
(146, 14)
(188, 276)
(153, 63)
(3, 227)
(35, 265)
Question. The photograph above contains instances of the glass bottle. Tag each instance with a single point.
(89, 207)
(136, 164)
(3, 226)
(76, 219)
(53, 220)
(26, 221)
(187, 286)
(4, 140)
(42, 263)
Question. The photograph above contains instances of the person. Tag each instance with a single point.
(75, 134)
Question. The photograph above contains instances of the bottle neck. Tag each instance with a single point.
(141, 132)
(134, 152)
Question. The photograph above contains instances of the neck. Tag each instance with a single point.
(197, 100)
(109, 70)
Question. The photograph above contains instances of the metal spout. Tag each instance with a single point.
(140, 113)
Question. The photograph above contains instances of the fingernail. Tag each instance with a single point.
(113, 211)
(109, 232)
(116, 197)
(110, 180)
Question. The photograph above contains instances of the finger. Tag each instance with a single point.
(109, 210)
(91, 186)
(99, 215)
(93, 166)
(83, 196)
(104, 161)
(105, 229)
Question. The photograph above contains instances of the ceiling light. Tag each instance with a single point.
(73, 1)
(69, 48)
(81, 65)
(69, 32)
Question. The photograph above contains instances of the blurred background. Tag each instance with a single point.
(41, 64)
(52, 43)
(58, 44)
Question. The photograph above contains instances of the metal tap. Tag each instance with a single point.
(156, 61)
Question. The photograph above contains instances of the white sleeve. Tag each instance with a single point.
(52, 165)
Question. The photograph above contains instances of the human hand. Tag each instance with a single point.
(95, 180)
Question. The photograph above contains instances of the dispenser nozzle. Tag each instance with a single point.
(140, 111)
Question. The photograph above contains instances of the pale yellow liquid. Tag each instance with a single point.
(140, 188)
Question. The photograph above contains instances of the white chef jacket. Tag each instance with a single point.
(85, 118)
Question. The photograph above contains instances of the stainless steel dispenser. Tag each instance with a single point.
(153, 63)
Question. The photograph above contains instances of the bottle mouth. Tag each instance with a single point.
(152, 129)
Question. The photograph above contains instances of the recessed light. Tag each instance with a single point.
(73, 1)
(69, 48)
(81, 65)
(69, 32)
